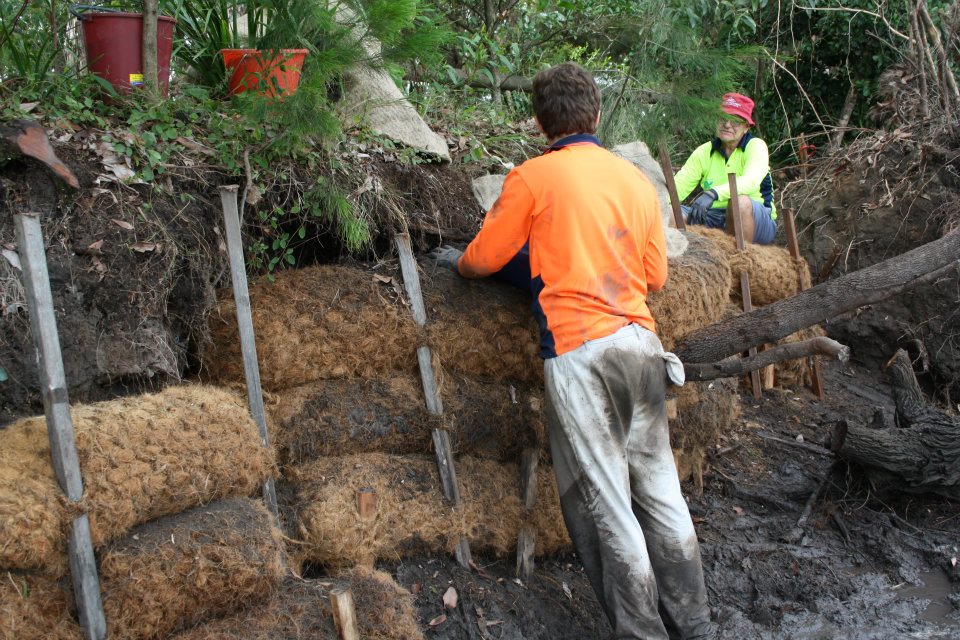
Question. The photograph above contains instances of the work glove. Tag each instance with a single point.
(698, 209)
(446, 256)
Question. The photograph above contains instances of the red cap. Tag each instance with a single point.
(737, 104)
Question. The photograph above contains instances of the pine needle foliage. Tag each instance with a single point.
(672, 80)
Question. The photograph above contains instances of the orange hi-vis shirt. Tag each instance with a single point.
(596, 241)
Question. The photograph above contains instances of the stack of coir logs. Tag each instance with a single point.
(336, 346)
(167, 478)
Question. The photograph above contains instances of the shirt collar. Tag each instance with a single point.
(576, 138)
(717, 146)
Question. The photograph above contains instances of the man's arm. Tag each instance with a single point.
(755, 169)
(692, 171)
(506, 228)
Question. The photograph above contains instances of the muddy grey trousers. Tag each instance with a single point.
(618, 484)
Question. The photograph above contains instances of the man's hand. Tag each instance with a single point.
(446, 256)
(698, 210)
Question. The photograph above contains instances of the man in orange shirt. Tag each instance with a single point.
(591, 223)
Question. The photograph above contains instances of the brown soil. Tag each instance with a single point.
(883, 195)
(132, 271)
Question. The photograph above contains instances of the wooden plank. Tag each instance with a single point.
(344, 613)
(56, 405)
(367, 500)
(793, 244)
(667, 167)
(733, 208)
(248, 343)
(411, 279)
(431, 393)
(526, 546)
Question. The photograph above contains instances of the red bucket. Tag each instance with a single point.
(114, 44)
(267, 72)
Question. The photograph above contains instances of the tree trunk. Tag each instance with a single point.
(848, 105)
(150, 73)
(772, 322)
(923, 456)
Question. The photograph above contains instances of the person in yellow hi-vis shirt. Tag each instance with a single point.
(733, 150)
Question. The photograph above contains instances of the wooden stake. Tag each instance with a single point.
(248, 343)
(411, 278)
(344, 614)
(526, 546)
(528, 480)
(366, 503)
(527, 539)
(802, 154)
(768, 374)
(848, 105)
(667, 168)
(431, 392)
(793, 244)
(56, 405)
(733, 208)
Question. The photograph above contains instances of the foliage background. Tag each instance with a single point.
(661, 65)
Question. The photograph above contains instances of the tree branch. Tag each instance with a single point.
(791, 351)
(772, 322)
(864, 11)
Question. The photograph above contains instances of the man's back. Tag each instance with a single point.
(596, 241)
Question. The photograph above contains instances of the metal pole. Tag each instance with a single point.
(56, 405)
(248, 344)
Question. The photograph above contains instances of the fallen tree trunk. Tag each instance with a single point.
(866, 286)
(921, 456)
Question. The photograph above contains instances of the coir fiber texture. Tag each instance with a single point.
(176, 571)
(411, 515)
(141, 457)
(774, 274)
(490, 419)
(301, 609)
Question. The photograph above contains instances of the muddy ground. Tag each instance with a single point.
(863, 567)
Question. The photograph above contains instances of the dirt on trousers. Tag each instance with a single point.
(864, 567)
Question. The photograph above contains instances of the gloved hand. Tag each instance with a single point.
(446, 256)
(698, 209)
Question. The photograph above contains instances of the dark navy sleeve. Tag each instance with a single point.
(517, 271)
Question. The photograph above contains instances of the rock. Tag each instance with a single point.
(486, 190)
(638, 153)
